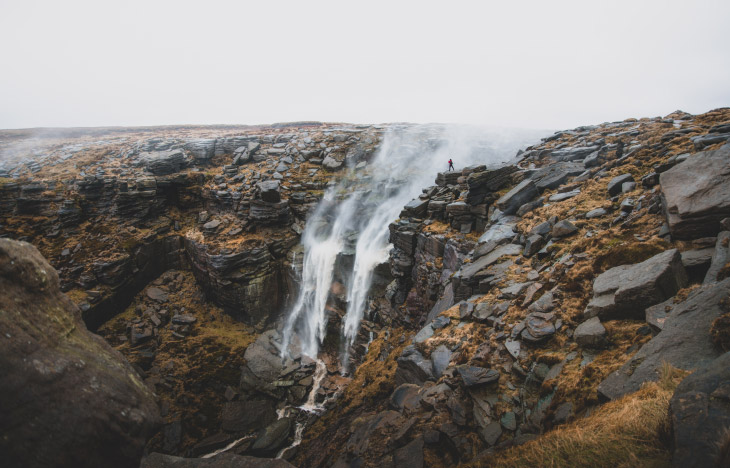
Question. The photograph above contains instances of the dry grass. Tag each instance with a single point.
(630, 432)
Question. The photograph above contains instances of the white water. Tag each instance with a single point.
(320, 372)
(408, 160)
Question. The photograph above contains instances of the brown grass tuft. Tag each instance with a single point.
(629, 432)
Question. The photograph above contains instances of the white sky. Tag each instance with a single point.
(541, 64)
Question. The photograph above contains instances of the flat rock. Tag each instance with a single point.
(696, 194)
(627, 290)
(684, 342)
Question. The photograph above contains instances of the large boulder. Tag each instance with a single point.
(68, 398)
(684, 342)
(700, 410)
(696, 194)
(627, 290)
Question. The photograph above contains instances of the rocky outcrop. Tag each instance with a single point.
(68, 398)
(700, 412)
(247, 283)
(684, 342)
(696, 194)
(627, 290)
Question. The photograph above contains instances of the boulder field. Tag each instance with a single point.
(517, 298)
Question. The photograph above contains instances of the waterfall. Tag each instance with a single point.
(363, 204)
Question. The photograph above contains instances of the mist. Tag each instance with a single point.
(517, 64)
(354, 215)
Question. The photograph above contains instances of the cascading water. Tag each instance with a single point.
(363, 204)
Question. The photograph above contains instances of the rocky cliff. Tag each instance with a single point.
(517, 300)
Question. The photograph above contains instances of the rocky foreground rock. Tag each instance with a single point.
(68, 398)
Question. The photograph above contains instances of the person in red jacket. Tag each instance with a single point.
(451, 165)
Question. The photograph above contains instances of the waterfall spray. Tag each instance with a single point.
(364, 203)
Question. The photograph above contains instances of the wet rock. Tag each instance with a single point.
(224, 460)
(696, 194)
(518, 196)
(473, 376)
(615, 184)
(262, 357)
(627, 290)
(68, 398)
(700, 411)
(590, 333)
(272, 437)
(684, 342)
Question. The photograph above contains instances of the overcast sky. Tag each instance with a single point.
(542, 64)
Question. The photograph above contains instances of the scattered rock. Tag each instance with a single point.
(684, 342)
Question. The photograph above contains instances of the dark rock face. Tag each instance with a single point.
(696, 194)
(248, 283)
(68, 398)
(627, 290)
(224, 460)
(700, 410)
(684, 342)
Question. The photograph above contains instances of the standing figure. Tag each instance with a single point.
(451, 165)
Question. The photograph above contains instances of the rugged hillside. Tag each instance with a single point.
(518, 299)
